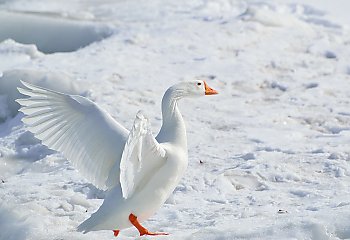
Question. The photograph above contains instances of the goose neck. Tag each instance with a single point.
(173, 128)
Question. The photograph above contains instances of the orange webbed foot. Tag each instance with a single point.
(143, 230)
(153, 233)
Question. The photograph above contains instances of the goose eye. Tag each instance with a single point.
(199, 84)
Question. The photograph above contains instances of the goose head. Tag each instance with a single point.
(173, 127)
(194, 88)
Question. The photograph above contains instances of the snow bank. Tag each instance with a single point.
(50, 34)
(11, 47)
(14, 54)
(10, 80)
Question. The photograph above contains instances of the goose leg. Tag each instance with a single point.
(116, 232)
(142, 230)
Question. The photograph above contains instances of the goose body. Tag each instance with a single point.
(115, 210)
(138, 171)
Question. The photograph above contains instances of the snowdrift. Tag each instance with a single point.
(49, 33)
(10, 80)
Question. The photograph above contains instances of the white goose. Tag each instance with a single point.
(139, 171)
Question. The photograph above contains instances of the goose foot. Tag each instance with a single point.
(153, 233)
(142, 230)
(116, 232)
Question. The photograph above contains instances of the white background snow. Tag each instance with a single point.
(269, 156)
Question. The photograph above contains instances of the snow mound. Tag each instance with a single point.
(11, 47)
(50, 34)
(14, 54)
(272, 16)
(10, 80)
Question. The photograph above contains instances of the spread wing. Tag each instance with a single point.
(141, 158)
(75, 126)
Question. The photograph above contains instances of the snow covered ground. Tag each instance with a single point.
(269, 156)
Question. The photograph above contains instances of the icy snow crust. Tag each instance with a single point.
(269, 156)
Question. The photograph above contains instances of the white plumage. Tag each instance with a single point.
(75, 126)
(138, 170)
(140, 145)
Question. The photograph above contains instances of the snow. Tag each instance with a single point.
(10, 80)
(48, 33)
(268, 156)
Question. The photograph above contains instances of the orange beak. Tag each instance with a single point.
(209, 90)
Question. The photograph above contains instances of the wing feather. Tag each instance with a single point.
(73, 125)
(141, 157)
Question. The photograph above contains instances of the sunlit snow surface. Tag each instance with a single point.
(269, 156)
